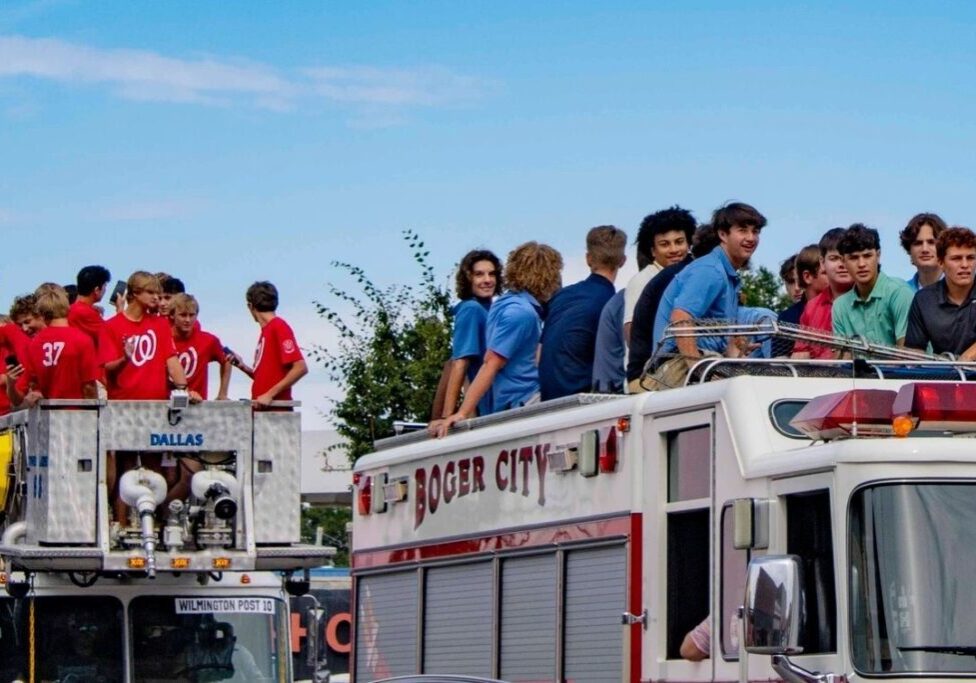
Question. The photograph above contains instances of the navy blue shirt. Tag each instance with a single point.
(569, 337)
(608, 359)
(642, 328)
(791, 315)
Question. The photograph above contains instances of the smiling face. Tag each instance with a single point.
(740, 242)
(669, 247)
(958, 265)
(484, 278)
(922, 251)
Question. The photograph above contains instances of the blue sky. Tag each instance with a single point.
(232, 142)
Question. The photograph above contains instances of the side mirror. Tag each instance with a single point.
(750, 527)
(773, 605)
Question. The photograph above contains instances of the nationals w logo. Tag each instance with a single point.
(143, 348)
(188, 359)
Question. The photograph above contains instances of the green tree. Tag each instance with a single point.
(762, 288)
(332, 520)
(391, 348)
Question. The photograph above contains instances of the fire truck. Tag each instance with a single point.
(817, 518)
(189, 582)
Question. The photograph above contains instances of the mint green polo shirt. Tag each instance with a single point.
(881, 318)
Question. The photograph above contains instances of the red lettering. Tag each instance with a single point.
(513, 472)
(464, 484)
(525, 457)
(541, 462)
(297, 632)
(332, 633)
(434, 489)
(450, 482)
(419, 496)
(500, 479)
(479, 473)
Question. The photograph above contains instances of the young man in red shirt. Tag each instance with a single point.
(278, 362)
(195, 348)
(60, 360)
(136, 348)
(84, 314)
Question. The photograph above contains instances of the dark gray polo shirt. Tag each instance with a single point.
(936, 320)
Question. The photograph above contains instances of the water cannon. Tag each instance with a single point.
(143, 490)
(219, 487)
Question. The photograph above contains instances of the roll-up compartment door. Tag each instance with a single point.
(596, 595)
(457, 619)
(528, 618)
(386, 625)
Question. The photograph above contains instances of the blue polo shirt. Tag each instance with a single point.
(513, 331)
(569, 337)
(468, 340)
(707, 288)
(608, 354)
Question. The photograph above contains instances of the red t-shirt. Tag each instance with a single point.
(817, 314)
(143, 377)
(196, 352)
(83, 316)
(13, 340)
(277, 350)
(60, 360)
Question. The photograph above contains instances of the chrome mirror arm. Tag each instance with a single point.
(792, 673)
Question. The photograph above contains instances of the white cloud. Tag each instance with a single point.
(143, 75)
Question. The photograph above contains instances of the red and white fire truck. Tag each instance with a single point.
(581, 539)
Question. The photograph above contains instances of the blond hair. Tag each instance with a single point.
(139, 282)
(605, 245)
(534, 268)
(51, 303)
(183, 302)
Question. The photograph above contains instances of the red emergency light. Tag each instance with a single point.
(363, 485)
(937, 406)
(858, 412)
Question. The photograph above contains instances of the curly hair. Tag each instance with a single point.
(22, 305)
(956, 236)
(534, 268)
(462, 279)
(909, 234)
(660, 222)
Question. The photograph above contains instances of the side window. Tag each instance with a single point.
(689, 454)
(808, 534)
(735, 562)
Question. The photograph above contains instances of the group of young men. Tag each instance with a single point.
(540, 341)
(58, 345)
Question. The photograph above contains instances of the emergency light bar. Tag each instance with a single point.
(859, 412)
(935, 406)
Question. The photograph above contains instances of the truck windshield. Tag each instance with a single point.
(74, 638)
(217, 638)
(913, 600)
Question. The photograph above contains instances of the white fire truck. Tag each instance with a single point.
(189, 581)
(581, 539)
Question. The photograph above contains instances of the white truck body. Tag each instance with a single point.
(492, 556)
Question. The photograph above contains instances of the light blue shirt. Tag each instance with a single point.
(608, 360)
(468, 340)
(707, 288)
(514, 330)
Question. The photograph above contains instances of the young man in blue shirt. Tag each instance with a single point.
(569, 334)
(479, 279)
(514, 328)
(709, 287)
